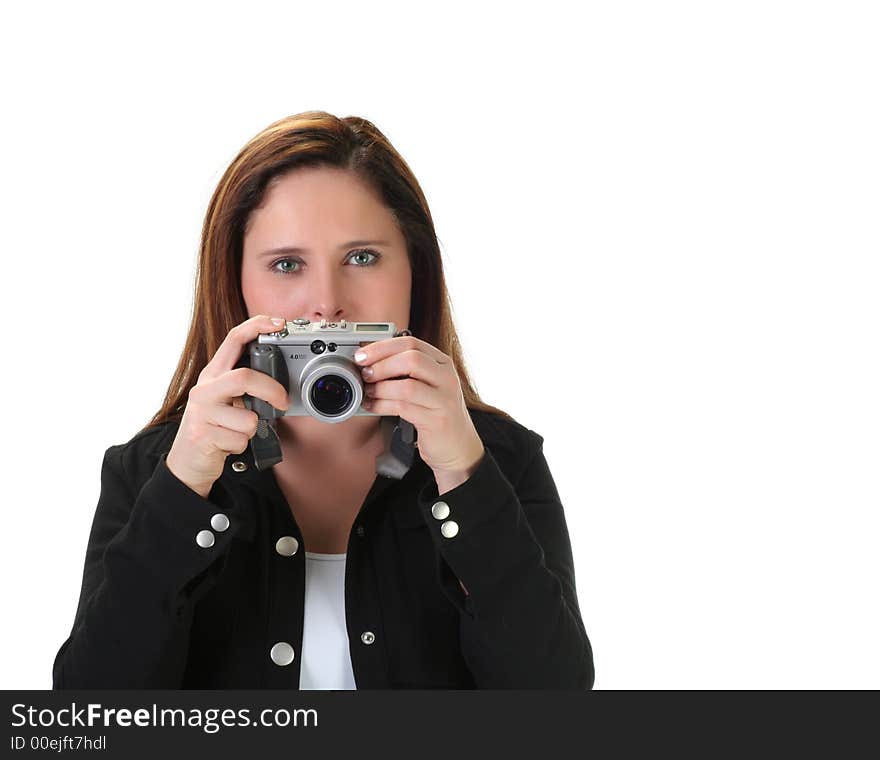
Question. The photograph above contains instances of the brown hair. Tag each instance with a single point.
(312, 138)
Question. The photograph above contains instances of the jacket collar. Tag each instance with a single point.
(240, 474)
(240, 478)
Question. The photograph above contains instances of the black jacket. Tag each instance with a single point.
(157, 610)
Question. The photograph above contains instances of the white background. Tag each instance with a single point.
(659, 223)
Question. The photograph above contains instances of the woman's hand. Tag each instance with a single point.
(428, 394)
(215, 421)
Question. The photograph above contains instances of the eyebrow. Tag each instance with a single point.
(289, 249)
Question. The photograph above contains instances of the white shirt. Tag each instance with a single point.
(326, 661)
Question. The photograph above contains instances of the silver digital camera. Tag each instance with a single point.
(315, 362)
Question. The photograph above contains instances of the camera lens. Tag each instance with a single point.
(331, 395)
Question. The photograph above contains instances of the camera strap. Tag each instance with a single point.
(399, 434)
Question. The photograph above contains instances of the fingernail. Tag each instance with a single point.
(277, 321)
(360, 356)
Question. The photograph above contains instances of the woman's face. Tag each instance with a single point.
(351, 261)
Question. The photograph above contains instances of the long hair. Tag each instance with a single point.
(312, 138)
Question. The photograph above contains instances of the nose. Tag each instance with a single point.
(325, 301)
(318, 315)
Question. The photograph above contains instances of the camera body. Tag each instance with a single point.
(315, 362)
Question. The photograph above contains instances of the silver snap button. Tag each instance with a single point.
(440, 510)
(219, 522)
(286, 546)
(239, 466)
(282, 653)
(449, 528)
(368, 637)
(205, 539)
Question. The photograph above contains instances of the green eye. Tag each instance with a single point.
(286, 271)
(367, 253)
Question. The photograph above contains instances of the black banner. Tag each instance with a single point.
(134, 724)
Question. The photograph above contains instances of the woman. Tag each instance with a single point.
(203, 571)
